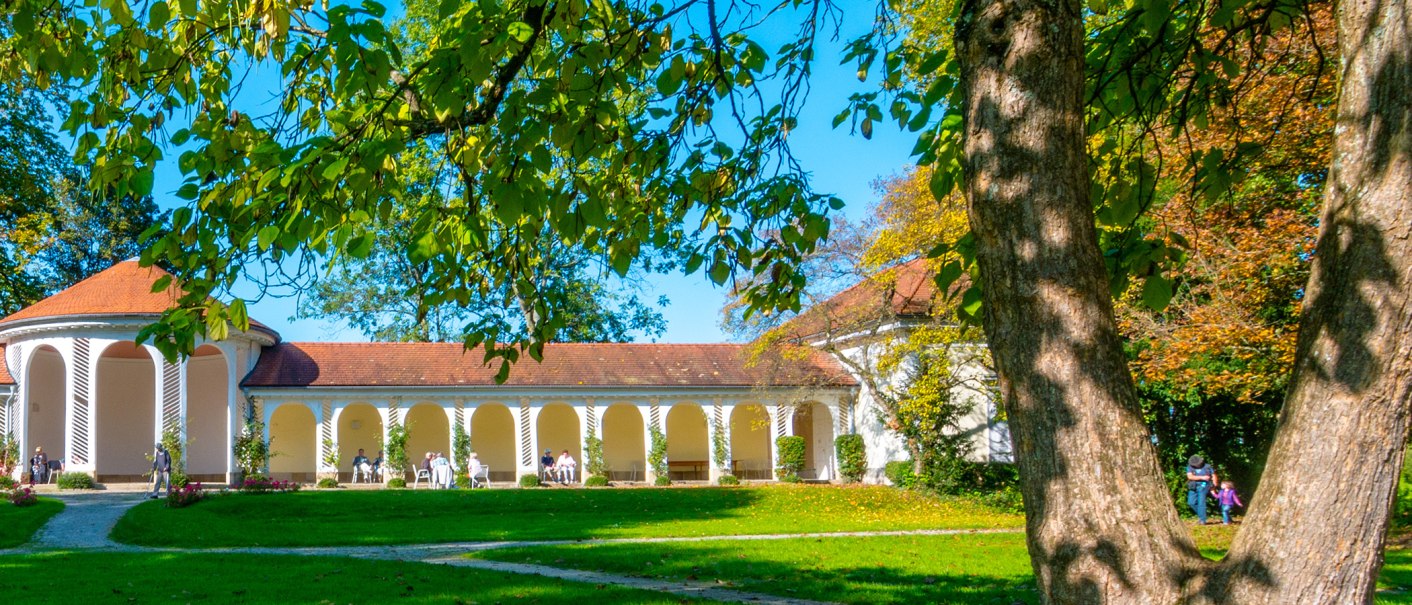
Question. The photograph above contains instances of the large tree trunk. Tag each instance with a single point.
(1101, 526)
(1315, 531)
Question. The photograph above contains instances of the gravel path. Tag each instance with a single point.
(87, 520)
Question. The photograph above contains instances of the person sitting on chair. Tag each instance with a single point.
(565, 467)
(440, 471)
(377, 467)
(474, 467)
(546, 465)
(361, 466)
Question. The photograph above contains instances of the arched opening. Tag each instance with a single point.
(428, 430)
(293, 443)
(493, 440)
(124, 413)
(359, 427)
(207, 414)
(624, 447)
(46, 406)
(558, 430)
(814, 423)
(688, 438)
(750, 442)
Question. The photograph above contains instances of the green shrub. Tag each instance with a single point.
(7, 483)
(328, 483)
(179, 479)
(791, 458)
(596, 481)
(657, 455)
(397, 483)
(728, 480)
(852, 457)
(529, 480)
(463, 481)
(662, 481)
(75, 480)
(899, 472)
(1006, 500)
(22, 496)
(593, 462)
(251, 450)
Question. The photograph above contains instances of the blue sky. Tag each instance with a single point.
(840, 163)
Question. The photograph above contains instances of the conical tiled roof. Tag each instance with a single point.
(124, 289)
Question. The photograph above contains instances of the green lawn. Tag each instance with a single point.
(226, 578)
(405, 517)
(969, 569)
(18, 523)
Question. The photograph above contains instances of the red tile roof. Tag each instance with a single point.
(308, 364)
(907, 290)
(5, 377)
(122, 289)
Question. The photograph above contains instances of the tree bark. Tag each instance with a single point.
(1316, 529)
(1100, 523)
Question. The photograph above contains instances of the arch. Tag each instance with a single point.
(814, 423)
(688, 442)
(624, 445)
(207, 414)
(558, 429)
(493, 440)
(46, 404)
(750, 442)
(294, 451)
(359, 426)
(428, 430)
(124, 412)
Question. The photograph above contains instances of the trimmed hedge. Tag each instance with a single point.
(328, 483)
(662, 481)
(596, 481)
(852, 457)
(529, 481)
(728, 480)
(397, 483)
(791, 458)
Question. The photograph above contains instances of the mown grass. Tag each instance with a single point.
(412, 517)
(962, 569)
(93, 577)
(18, 523)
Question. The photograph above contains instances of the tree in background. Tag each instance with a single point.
(54, 230)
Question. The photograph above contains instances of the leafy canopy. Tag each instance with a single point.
(616, 127)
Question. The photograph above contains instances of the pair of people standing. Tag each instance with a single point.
(1200, 479)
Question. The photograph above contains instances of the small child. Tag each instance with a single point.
(1228, 499)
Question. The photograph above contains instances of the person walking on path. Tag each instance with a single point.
(161, 472)
(1228, 499)
(1199, 479)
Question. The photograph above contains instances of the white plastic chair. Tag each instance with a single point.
(363, 471)
(560, 471)
(421, 474)
(481, 479)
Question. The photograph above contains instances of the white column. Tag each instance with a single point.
(727, 410)
(324, 430)
(526, 439)
(645, 410)
(266, 414)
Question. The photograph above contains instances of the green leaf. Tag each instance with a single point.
(334, 170)
(1156, 292)
(162, 283)
(158, 15)
(267, 236)
(520, 30)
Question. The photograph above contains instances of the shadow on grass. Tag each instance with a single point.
(409, 517)
(423, 517)
(91, 577)
(922, 569)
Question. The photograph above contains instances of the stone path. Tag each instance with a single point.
(87, 520)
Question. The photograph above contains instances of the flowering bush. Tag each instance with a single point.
(22, 496)
(187, 495)
(263, 485)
